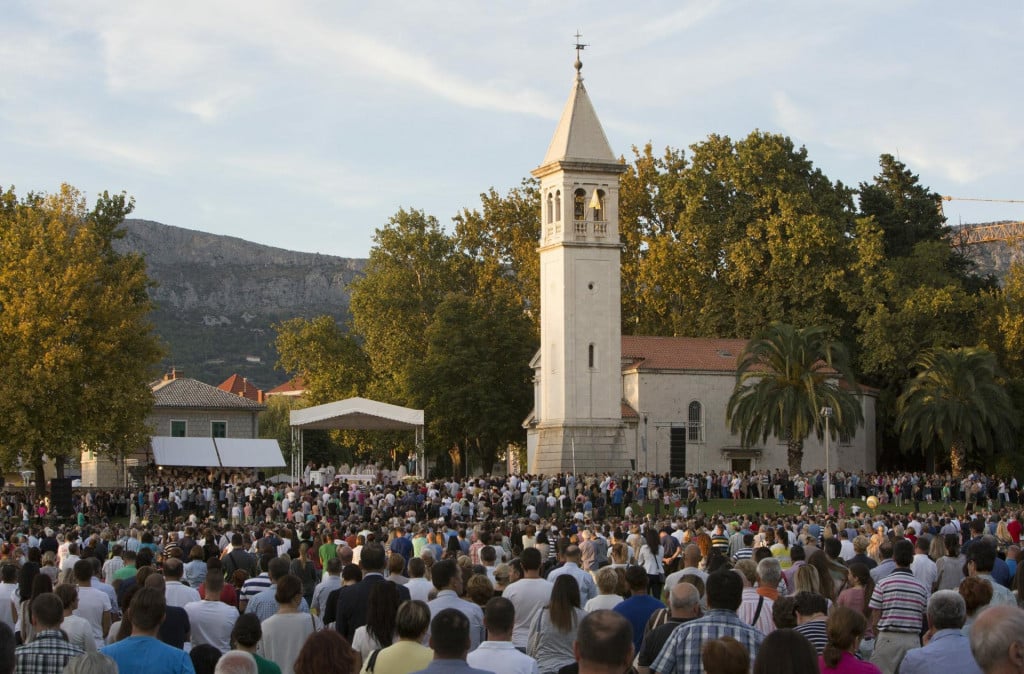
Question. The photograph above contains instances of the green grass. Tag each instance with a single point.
(727, 508)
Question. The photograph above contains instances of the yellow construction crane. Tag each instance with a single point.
(1001, 231)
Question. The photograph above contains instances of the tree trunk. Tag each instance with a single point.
(40, 477)
(957, 458)
(795, 454)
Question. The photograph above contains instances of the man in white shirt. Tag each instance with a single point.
(527, 595)
(71, 558)
(177, 593)
(211, 620)
(923, 568)
(418, 586)
(93, 605)
(498, 654)
(113, 564)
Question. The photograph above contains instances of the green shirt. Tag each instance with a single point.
(327, 551)
(125, 572)
(264, 666)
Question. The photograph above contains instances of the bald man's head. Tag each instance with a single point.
(684, 601)
(997, 639)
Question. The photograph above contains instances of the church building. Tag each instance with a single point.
(604, 402)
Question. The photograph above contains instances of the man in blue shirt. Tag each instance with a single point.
(947, 648)
(640, 606)
(142, 651)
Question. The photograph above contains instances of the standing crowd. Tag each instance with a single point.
(518, 575)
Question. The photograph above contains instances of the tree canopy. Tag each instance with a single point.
(76, 348)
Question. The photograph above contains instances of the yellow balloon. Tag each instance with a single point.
(872, 502)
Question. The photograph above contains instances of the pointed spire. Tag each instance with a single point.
(579, 136)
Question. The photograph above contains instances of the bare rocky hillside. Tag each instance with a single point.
(217, 297)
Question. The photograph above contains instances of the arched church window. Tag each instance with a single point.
(597, 205)
(695, 427)
(590, 356)
(579, 205)
(558, 205)
(551, 207)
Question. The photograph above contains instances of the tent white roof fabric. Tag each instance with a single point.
(239, 453)
(223, 452)
(357, 414)
(184, 451)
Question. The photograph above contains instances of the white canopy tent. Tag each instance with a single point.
(222, 452)
(358, 414)
(241, 453)
(184, 451)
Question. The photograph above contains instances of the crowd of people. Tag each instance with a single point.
(203, 571)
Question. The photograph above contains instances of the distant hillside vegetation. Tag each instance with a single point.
(217, 297)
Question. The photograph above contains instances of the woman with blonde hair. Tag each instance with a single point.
(407, 654)
(607, 580)
(845, 628)
(806, 579)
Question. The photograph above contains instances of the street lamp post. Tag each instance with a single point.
(827, 413)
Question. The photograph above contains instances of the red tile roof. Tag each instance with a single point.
(681, 353)
(295, 386)
(240, 386)
(628, 412)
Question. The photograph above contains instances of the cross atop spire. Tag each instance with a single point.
(579, 47)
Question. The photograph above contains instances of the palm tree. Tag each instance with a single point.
(783, 379)
(956, 405)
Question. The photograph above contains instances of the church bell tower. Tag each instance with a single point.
(577, 422)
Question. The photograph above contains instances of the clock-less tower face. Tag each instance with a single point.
(579, 378)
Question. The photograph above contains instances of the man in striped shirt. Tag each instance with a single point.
(897, 605)
(681, 653)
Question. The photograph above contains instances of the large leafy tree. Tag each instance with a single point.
(956, 405)
(501, 239)
(76, 345)
(783, 379)
(475, 382)
(910, 290)
(412, 267)
(742, 233)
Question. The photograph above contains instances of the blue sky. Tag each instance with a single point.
(306, 125)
